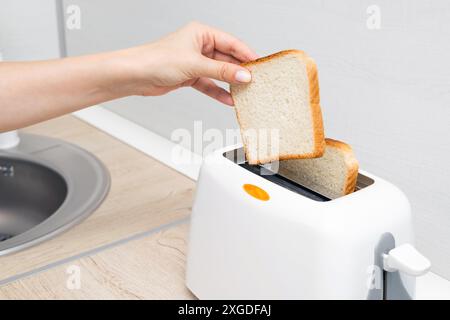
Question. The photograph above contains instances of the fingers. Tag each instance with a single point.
(220, 56)
(223, 71)
(217, 55)
(208, 87)
(230, 45)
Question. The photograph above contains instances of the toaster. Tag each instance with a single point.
(258, 235)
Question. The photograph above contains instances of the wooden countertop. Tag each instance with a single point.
(132, 246)
(152, 267)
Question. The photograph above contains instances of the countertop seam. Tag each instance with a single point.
(94, 251)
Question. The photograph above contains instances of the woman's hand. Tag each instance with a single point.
(191, 56)
(35, 91)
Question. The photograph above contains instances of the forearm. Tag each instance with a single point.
(35, 91)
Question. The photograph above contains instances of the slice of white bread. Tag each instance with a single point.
(333, 175)
(279, 110)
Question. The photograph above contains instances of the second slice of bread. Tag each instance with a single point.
(279, 111)
(333, 175)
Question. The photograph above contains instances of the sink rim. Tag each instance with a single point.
(59, 221)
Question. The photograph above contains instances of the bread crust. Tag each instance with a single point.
(350, 161)
(314, 97)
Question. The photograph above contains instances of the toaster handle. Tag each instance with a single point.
(405, 258)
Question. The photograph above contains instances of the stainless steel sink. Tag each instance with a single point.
(46, 186)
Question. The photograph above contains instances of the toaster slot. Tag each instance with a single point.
(238, 157)
(363, 181)
(284, 182)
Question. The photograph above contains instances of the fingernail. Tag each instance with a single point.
(243, 76)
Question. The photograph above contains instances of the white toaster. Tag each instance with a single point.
(256, 235)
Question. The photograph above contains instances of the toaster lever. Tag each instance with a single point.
(405, 258)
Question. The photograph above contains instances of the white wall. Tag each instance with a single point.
(386, 91)
(28, 30)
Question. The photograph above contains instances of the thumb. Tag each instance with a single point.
(223, 71)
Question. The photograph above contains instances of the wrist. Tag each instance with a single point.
(131, 70)
(117, 74)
